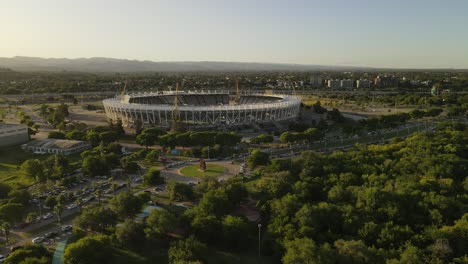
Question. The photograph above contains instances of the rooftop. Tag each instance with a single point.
(54, 143)
(11, 125)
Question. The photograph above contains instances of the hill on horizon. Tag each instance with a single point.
(99, 64)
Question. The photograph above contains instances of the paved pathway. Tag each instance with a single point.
(59, 251)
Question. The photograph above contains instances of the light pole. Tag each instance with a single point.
(259, 236)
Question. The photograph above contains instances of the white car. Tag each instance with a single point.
(37, 240)
(47, 216)
(2, 258)
(72, 206)
(66, 228)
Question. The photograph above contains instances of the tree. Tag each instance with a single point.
(153, 177)
(146, 139)
(63, 109)
(129, 165)
(79, 202)
(318, 108)
(4, 190)
(12, 212)
(352, 251)
(90, 249)
(312, 134)
(257, 158)
(179, 191)
(58, 210)
(98, 194)
(126, 204)
(300, 250)
(32, 252)
(153, 155)
(130, 234)
(56, 135)
(6, 227)
(51, 201)
(97, 219)
(411, 255)
(159, 223)
(187, 250)
(235, 230)
(94, 166)
(76, 135)
(117, 127)
(93, 137)
(108, 137)
(33, 168)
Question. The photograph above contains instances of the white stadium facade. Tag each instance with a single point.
(200, 108)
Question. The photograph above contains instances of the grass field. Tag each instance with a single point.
(10, 160)
(194, 170)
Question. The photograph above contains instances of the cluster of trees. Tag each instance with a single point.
(55, 116)
(404, 202)
(392, 121)
(29, 254)
(151, 136)
(262, 139)
(14, 203)
(101, 240)
(54, 167)
(101, 159)
(96, 135)
(309, 135)
(26, 120)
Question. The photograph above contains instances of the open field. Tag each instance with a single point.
(194, 170)
(10, 160)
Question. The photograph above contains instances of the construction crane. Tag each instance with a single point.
(175, 109)
(237, 99)
(124, 89)
(293, 88)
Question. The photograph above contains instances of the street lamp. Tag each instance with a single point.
(259, 236)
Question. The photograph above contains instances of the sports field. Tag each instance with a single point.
(195, 171)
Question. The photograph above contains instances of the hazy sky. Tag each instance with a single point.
(383, 33)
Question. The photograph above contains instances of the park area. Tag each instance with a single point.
(196, 171)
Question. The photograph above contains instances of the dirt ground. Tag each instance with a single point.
(91, 118)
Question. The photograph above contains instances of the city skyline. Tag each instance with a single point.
(418, 34)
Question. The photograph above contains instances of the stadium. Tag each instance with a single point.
(200, 108)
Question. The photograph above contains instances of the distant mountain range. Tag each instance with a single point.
(110, 65)
(121, 65)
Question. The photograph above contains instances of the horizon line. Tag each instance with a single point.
(246, 62)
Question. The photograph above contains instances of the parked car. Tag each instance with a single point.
(158, 189)
(37, 240)
(2, 258)
(47, 216)
(72, 206)
(66, 228)
(50, 234)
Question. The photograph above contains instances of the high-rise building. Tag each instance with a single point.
(363, 83)
(347, 84)
(386, 81)
(334, 83)
(316, 81)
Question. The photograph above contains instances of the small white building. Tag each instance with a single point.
(56, 146)
(12, 134)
